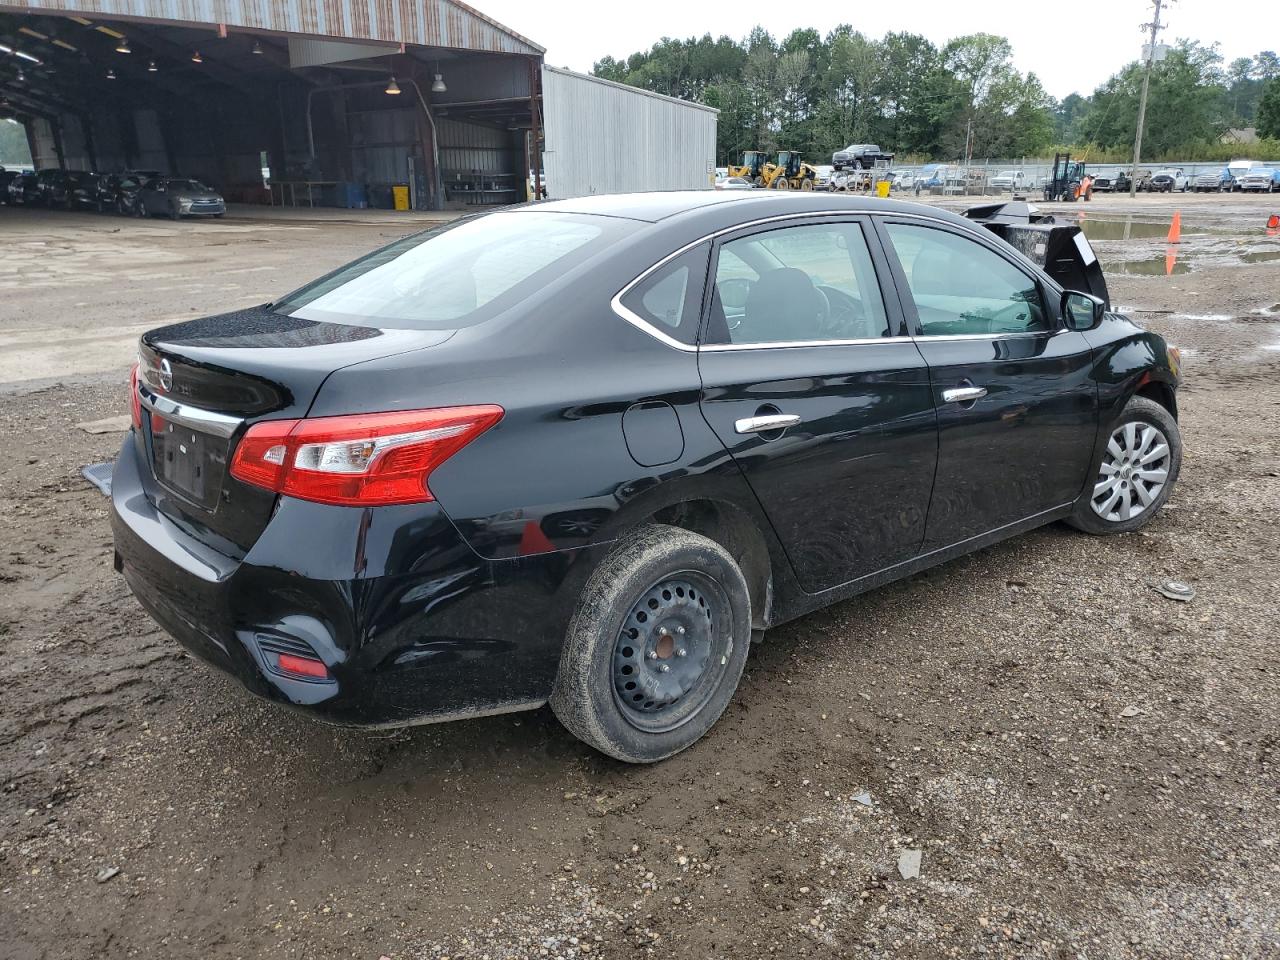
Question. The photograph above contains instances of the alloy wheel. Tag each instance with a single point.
(1134, 471)
(671, 651)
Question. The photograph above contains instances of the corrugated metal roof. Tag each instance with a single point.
(428, 23)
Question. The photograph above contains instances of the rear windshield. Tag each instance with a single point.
(454, 276)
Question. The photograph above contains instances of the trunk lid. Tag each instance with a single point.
(206, 381)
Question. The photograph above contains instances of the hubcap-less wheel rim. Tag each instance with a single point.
(672, 651)
(1134, 471)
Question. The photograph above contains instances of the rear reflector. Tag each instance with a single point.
(302, 666)
(135, 400)
(367, 459)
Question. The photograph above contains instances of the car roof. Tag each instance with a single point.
(655, 207)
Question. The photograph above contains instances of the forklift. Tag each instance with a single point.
(1065, 182)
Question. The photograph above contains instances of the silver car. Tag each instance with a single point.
(176, 197)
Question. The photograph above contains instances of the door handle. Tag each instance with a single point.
(964, 394)
(765, 424)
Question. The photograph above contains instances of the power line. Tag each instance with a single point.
(1155, 27)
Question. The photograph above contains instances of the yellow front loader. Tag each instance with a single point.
(752, 167)
(789, 173)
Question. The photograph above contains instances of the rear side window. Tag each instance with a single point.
(670, 298)
(454, 276)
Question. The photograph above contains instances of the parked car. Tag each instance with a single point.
(823, 174)
(859, 156)
(931, 178)
(7, 177)
(53, 188)
(1010, 180)
(1169, 180)
(1237, 169)
(1260, 178)
(120, 193)
(581, 452)
(23, 190)
(177, 197)
(90, 191)
(1218, 180)
(1123, 181)
(901, 179)
(735, 183)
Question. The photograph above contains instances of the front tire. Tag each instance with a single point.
(1135, 473)
(656, 647)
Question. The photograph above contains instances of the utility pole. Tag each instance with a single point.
(1155, 27)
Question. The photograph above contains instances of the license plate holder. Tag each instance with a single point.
(185, 460)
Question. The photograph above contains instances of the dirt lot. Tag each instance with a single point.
(1089, 768)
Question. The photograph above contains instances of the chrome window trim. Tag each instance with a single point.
(205, 421)
(793, 344)
(1013, 335)
(642, 324)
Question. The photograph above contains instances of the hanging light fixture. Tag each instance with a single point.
(438, 85)
(393, 88)
(257, 48)
(196, 58)
(151, 67)
(111, 74)
(22, 77)
(123, 46)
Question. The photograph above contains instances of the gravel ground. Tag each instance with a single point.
(1087, 768)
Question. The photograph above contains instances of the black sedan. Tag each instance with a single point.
(585, 452)
(23, 190)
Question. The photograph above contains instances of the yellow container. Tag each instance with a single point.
(882, 188)
(400, 195)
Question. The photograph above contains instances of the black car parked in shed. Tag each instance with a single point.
(583, 451)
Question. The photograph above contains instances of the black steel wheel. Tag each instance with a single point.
(656, 646)
(669, 656)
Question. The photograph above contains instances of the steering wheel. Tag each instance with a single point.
(1014, 318)
(846, 315)
(734, 292)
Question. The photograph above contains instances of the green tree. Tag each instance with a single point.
(1269, 110)
(14, 149)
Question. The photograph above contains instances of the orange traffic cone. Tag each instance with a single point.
(1273, 222)
(1175, 228)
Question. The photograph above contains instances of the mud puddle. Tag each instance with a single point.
(1131, 228)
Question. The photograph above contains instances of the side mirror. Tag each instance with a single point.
(1082, 311)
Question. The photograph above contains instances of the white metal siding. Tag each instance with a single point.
(604, 137)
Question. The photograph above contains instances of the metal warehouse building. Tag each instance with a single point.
(338, 101)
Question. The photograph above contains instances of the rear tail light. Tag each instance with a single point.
(368, 459)
(135, 400)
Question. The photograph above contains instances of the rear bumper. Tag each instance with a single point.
(440, 634)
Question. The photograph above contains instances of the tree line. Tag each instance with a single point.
(964, 99)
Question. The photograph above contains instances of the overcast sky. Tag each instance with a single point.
(1067, 59)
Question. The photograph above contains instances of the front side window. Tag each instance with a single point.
(795, 285)
(961, 288)
(454, 276)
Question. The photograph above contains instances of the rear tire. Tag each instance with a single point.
(1128, 469)
(621, 634)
